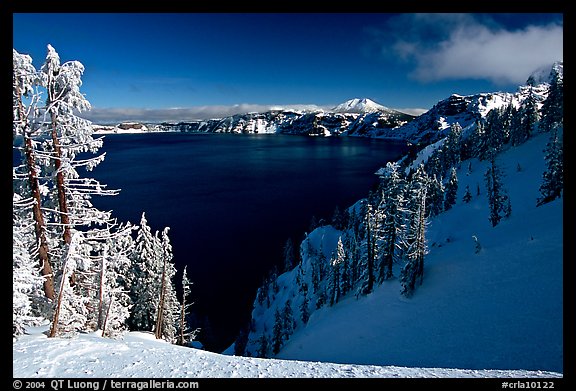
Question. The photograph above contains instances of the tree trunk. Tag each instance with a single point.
(160, 314)
(62, 203)
(39, 224)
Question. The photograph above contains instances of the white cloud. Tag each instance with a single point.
(464, 46)
(116, 115)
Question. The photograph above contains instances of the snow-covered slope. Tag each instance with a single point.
(139, 355)
(500, 308)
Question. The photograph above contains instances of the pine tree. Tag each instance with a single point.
(26, 281)
(393, 209)
(451, 190)
(145, 276)
(498, 199)
(435, 196)
(277, 332)
(467, 195)
(167, 315)
(415, 240)
(304, 311)
(25, 81)
(337, 262)
(453, 147)
(553, 178)
(525, 120)
(185, 334)
(553, 105)
(263, 346)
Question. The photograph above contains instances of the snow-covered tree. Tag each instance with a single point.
(453, 146)
(393, 208)
(435, 196)
(145, 277)
(553, 106)
(167, 315)
(526, 119)
(498, 200)
(72, 310)
(415, 239)
(467, 197)
(185, 333)
(26, 280)
(337, 263)
(25, 81)
(553, 178)
(451, 190)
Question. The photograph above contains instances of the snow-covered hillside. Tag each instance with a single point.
(500, 308)
(140, 355)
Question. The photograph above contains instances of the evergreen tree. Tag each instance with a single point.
(185, 333)
(25, 81)
(277, 332)
(415, 240)
(435, 196)
(451, 190)
(467, 195)
(525, 120)
(453, 147)
(553, 105)
(553, 178)
(304, 311)
(263, 346)
(26, 281)
(337, 262)
(167, 315)
(498, 199)
(494, 134)
(145, 276)
(393, 209)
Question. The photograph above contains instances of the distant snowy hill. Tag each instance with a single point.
(361, 106)
(140, 355)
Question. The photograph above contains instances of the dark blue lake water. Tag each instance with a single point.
(232, 201)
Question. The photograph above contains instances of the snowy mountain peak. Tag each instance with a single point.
(361, 106)
(545, 73)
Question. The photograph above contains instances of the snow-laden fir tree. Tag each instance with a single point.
(26, 177)
(451, 190)
(393, 208)
(498, 200)
(27, 283)
(167, 315)
(185, 333)
(145, 278)
(526, 119)
(553, 106)
(435, 196)
(553, 178)
(337, 273)
(415, 240)
(467, 197)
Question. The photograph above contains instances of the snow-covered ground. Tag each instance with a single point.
(499, 308)
(139, 355)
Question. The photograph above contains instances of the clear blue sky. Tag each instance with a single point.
(162, 61)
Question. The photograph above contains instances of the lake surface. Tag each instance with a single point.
(232, 201)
